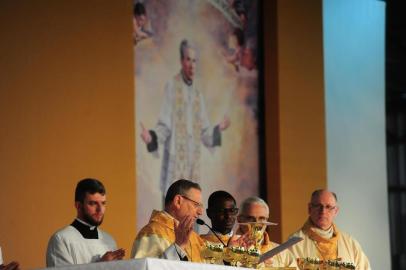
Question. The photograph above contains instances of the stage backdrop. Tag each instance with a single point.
(223, 37)
(354, 60)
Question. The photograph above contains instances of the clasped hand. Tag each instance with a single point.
(113, 255)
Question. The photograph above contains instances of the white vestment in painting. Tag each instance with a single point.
(182, 126)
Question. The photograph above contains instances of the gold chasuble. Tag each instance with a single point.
(159, 234)
(327, 248)
(340, 246)
(210, 237)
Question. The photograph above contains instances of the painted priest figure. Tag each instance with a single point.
(183, 124)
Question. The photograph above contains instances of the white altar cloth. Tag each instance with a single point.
(145, 264)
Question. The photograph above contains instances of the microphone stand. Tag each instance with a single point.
(201, 222)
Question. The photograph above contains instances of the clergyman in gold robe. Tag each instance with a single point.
(322, 238)
(169, 233)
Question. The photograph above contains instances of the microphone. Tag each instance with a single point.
(201, 222)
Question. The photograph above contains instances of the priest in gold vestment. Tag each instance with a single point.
(254, 209)
(322, 238)
(169, 233)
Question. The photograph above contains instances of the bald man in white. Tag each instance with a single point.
(322, 239)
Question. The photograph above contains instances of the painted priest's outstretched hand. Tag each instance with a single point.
(183, 229)
(113, 255)
(145, 135)
(225, 123)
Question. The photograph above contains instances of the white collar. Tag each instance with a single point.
(92, 227)
(185, 80)
(326, 234)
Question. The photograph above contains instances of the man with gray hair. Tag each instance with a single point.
(183, 124)
(322, 239)
(255, 209)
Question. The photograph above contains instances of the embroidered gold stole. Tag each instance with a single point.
(181, 138)
(327, 248)
(162, 225)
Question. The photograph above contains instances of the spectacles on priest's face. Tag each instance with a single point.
(195, 203)
(320, 207)
(244, 218)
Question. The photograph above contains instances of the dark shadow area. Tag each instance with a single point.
(396, 128)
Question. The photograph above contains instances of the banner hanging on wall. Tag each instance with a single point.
(196, 95)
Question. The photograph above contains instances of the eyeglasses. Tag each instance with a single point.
(196, 204)
(229, 211)
(320, 207)
(253, 219)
